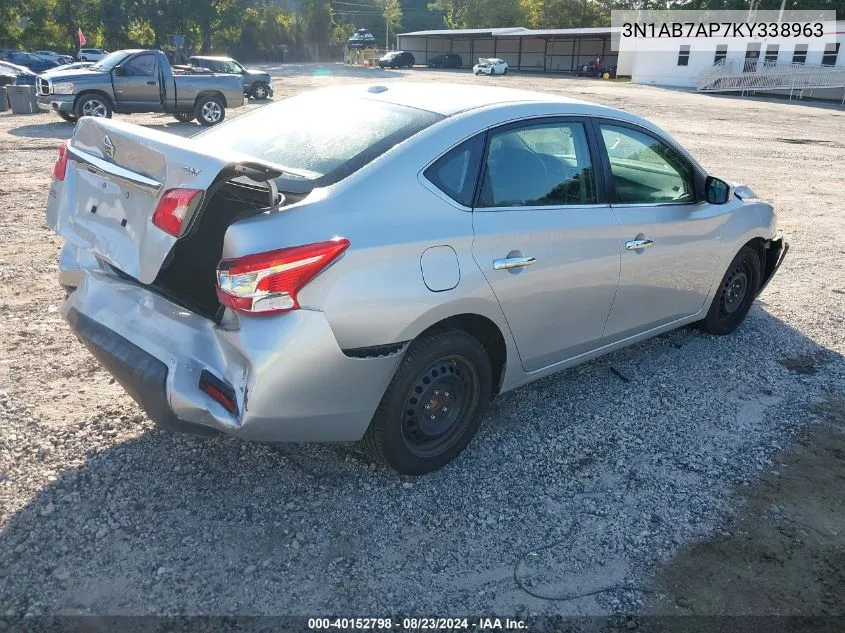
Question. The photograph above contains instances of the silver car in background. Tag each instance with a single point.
(379, 262)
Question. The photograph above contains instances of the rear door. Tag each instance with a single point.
(136, 83)
(669, 236)
(541, 224)
(116, 177)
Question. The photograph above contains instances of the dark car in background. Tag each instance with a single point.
(447, 60)
(35, 63)
(257, 83)
(12, 74)
(397, 59)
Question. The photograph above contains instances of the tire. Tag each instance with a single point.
(184, 117)
(398, 433)
(260, 91)
(737, 291)
(209, 111)
(67, 116)
(505, 71)
(92, 105)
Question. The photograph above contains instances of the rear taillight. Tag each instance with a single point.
(173, 208)
(60, 168)
(269, 282)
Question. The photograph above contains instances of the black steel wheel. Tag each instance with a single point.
(735, 294)
(434, 404)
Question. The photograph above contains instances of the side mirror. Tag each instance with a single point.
(120, 71)
(717, 191)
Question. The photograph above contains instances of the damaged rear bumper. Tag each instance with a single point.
(775, 253)
(289, 378)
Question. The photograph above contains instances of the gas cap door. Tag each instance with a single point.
(440, 268)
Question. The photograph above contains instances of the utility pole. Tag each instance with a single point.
(387, 34)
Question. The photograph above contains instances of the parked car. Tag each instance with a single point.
(397, 59)
(257, 83)
(237, 282)
(56, 57)
(29, 60)
(12, 74)
(490, 66)
(447, 60)
(91, 54)
(138, 81)
(362, 38)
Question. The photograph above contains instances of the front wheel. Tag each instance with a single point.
(92, 105)
(434, 404)
(209, 111)
(735, 294)
(505, 71)
(260, 91)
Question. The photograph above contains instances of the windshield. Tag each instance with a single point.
(318, 140)
(111, 60)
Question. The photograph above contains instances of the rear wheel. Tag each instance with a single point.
(184, 117)
(209, 111)
(434, 404)
(67, 116)
(505, 71)
(735, 294)
(92, 105)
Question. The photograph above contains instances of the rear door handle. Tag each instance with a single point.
(635, 245)
(512, 262)
(151, 83)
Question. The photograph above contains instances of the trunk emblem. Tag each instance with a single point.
(191, 170)
(108, 146)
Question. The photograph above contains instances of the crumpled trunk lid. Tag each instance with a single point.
(116, 175)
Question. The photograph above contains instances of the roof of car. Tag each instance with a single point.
(216, 58)
(448, 99)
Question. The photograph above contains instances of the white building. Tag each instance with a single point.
(566, 50)
(682, 67)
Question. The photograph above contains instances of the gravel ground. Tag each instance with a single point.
(576, 491)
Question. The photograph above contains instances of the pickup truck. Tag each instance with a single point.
(139, 81)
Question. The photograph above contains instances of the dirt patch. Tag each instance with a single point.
(785, 554)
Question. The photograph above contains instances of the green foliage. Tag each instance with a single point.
(256, 29)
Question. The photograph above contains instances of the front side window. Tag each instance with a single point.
(544, 164)
(141, 66)
(645, 170)
(456, 172)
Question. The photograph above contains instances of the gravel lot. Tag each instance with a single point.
(584, 484)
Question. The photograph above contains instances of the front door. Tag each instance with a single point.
(668, 237)
(136, 84)
(542, 240)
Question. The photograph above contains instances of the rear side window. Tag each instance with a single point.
(456, 172)
(539, 165)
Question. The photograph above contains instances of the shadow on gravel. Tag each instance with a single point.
(578, 485)
(52, 127)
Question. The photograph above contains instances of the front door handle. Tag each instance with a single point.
(151, 83)
(635, 245)
(512, 262)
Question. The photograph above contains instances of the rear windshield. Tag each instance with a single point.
(318, 140)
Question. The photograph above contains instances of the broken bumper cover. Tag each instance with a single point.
(776, 251)
(290, 380)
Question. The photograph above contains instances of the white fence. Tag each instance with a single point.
(765, 76)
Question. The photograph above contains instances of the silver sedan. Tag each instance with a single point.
(378, 262)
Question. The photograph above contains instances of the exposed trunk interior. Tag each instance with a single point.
(188, 276)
